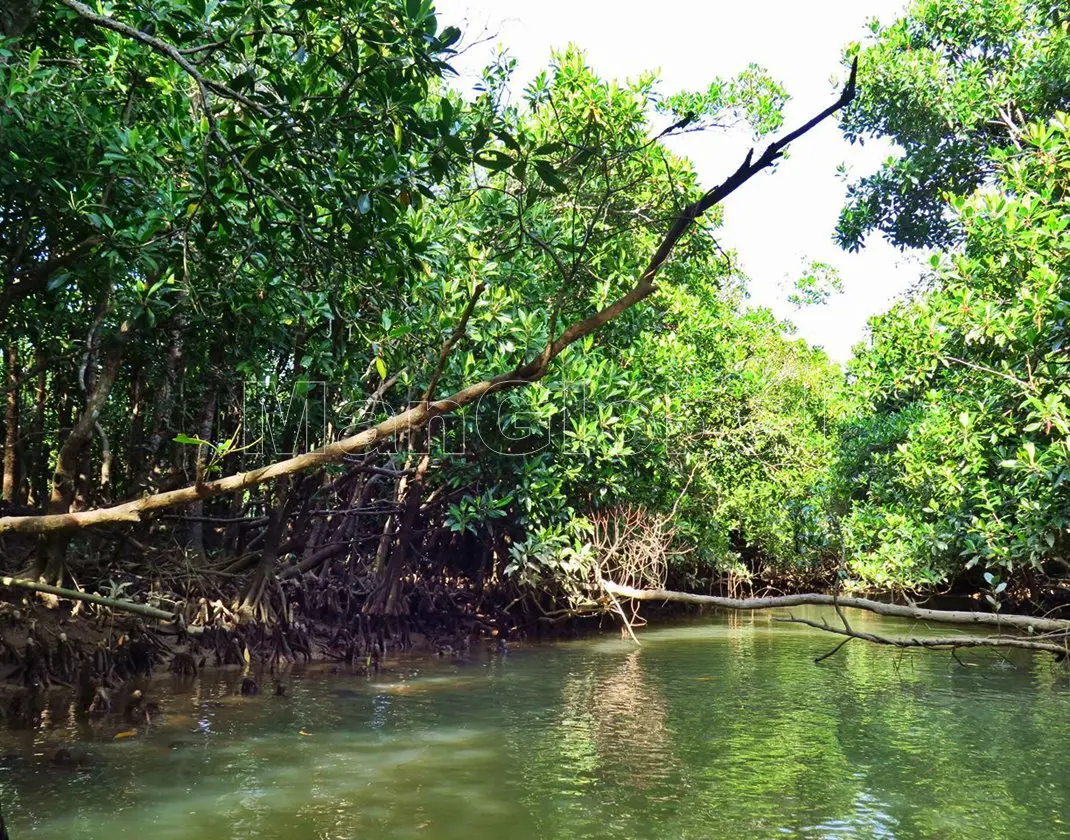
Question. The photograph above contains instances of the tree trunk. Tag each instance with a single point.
(253, 600)
(16, 18)
(105, 465)
(65, 476)
(384, 601)
(204, 431)
(11, 424)
(136, 443)
(164, 399)
(37, 469)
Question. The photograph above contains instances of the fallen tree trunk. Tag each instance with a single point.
(75, 595)
(1025, 623)
(419, 416)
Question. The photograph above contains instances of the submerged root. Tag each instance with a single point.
(184, 665)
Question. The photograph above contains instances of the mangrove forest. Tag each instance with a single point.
(389, 451)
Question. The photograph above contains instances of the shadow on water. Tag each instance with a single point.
(723, 728)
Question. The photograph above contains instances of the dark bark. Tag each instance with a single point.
(63, 479)
(272, 540)
(38, 468)
(164, 399)
(385, 600)
(205, 425)
(16, 18)
(11, 424)
(65, 476)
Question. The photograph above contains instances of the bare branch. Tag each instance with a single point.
(1017, 622)
(1021, 383)
(832, 652)
(234, 36)
(940, 643)
(75, 595)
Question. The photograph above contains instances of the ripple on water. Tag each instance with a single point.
(723, 728)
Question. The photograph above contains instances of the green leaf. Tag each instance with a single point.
(507, 139)
(494, 160)
(186, 440)
(480, 138)
(549, 176)
(550, 149)
(448, 37)
(58, 280)
(456, 145)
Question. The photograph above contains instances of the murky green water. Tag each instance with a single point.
(723, 729)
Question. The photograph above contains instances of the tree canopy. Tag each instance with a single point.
(268, 264)
(950, 84)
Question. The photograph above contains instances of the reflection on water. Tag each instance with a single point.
(719, 729)
(608, 727)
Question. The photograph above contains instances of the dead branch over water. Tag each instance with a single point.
(1048, 635)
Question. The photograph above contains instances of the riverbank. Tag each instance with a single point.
(48, 642)
(94, 650)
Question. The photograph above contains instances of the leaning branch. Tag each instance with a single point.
(450, 343)
(418, 416)
(937, 643)
(1025, 623)
(75, 595)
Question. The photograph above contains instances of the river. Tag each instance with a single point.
(719, 728)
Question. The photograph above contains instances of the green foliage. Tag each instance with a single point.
(686, 392)
(242, 227)
(297, 220)
(816, 285)
(959, 452)
(753, 97)
(950, 83)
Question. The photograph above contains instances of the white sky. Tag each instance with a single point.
(780, 219)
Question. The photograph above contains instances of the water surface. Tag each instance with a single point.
(723, 728)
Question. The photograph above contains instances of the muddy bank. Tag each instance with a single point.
(145, 705)
(92, 655)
